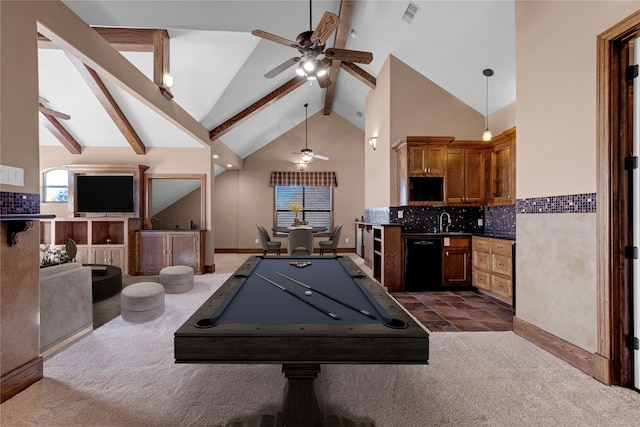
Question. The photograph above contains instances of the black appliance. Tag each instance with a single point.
(422, 264)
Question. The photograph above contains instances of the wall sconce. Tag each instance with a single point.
(302, 166)
(165, 89)
(167, 80)
(373, 142)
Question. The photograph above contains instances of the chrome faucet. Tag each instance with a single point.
(446, 228)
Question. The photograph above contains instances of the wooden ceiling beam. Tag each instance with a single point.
(346, 11)
(263, 102)
(109, 104)
(359, 74)
(61, 134)
(122, 39)
(161, 64)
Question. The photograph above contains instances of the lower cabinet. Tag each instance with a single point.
(493, 266)
(456, 257)
(109, 255)
(158, 249)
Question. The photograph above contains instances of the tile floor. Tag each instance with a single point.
(448, 311)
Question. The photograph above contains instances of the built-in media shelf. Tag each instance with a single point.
(108, 241)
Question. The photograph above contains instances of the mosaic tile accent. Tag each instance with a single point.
(500, 221)
(572, 203)
(19, 203)
(377, 216)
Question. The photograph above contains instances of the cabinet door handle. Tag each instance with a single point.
(447, 253)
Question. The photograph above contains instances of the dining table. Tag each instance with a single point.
(313, 229)
(297, 242)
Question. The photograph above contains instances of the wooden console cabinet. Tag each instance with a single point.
(106, 241)
(156, 249)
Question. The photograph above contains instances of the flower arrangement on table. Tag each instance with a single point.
(296, 208)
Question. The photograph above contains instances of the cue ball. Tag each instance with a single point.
(308, 293)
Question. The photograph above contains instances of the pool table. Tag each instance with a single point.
(301, 312)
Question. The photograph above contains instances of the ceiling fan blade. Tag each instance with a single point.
(346, 55)
(320, 156)
(280, 68)
(273, 38)
(325, 27)
(324, 81)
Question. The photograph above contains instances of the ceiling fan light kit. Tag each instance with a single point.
(314, 60)
(307, 154)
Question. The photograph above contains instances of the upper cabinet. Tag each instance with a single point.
(438, 171)
(420, 169)
(503, 169)
(466, 176)
(425, 159)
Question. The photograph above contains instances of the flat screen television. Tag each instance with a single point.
(104, 193)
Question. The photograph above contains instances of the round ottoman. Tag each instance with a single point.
(142, 301)
(176, 279)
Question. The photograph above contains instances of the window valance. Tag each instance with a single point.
(304, 179)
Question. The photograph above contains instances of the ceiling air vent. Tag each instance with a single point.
(410, 13)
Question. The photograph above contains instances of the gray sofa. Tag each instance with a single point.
(66, 311)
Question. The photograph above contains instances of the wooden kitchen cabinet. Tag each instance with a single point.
(466, 176)
(502, 169)
(425, 159)
(456, 257)
(493, 266)
(420, 170)
(158, 249)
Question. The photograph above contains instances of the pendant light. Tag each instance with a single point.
(486, 135)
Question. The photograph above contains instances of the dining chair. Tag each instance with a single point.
(300, 242)
(266, 242)
(332, 242)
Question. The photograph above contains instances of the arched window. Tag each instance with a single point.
(55, 185)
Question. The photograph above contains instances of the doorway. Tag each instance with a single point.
(617, 360)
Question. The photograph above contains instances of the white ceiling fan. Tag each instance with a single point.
(307, 154)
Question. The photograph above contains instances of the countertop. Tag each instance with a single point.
(491, 234)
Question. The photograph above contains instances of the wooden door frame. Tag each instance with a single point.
(613, 358)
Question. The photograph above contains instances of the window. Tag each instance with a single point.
(316, 202)
(55, 185)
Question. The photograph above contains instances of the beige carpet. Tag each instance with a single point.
(123, 374)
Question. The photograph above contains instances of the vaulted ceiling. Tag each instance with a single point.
(219, 66)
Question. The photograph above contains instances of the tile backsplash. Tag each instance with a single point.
(497, 221)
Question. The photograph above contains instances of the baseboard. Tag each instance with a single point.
(573, 355)
(20, 378)
(45, 353)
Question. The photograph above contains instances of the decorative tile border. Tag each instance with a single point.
(19, 203)
(572, 203)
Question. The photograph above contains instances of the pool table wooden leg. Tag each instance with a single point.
(300, 407)
(301, 404)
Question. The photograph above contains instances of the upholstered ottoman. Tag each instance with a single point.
(142, 301)
(176, 279)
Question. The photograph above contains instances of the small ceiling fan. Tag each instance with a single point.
(314, 61)
(307, 154)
